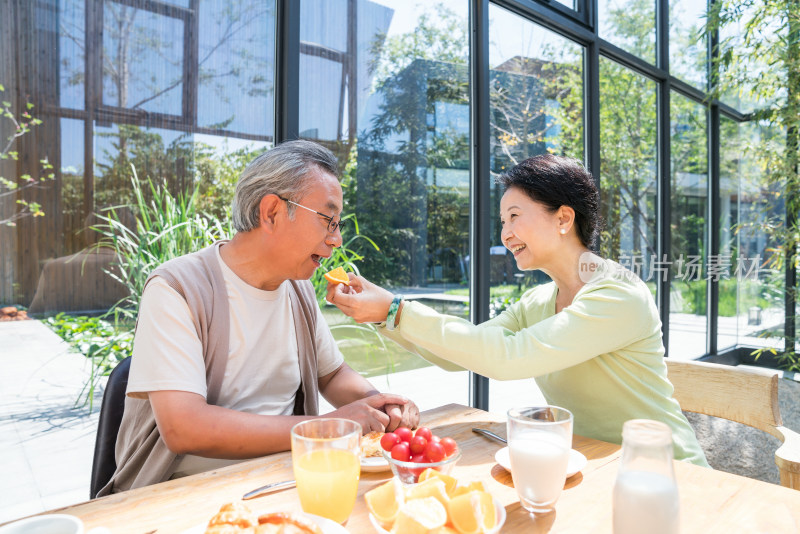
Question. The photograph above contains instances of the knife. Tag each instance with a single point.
(489, 434)
(269, 488)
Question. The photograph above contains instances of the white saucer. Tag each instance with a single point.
(577, 461)
(374, 464)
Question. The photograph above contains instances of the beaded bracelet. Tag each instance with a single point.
(393, 308)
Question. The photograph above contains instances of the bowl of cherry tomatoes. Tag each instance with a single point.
(409, 453)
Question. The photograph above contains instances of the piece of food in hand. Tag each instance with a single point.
(232, 518)
(371, 444)
(337, 276)
(286, 523)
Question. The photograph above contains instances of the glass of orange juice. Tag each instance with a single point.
(325, 457)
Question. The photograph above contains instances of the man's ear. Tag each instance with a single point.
(269, 209)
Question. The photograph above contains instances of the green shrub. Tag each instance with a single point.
(103, 342)
(166, 226)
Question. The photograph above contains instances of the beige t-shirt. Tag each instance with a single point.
(263, 372)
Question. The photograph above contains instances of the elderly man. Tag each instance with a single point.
(231, 349)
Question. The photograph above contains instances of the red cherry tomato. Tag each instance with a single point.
(389, 440)
(449, 445)
(434, 452)
(417, 471)
(404, 433)
(424, 432)
(401, 452)
(435, 439)
(419, 459)
(418, 444)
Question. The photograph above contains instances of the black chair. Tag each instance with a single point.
(104, 463)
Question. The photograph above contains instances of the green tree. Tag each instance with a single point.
(759, 65)
(20, 125)
(536, 106)
(420, 78)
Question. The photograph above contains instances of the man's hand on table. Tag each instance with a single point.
(371, 412)
(402, 415)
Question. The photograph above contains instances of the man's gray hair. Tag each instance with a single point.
(281, 171)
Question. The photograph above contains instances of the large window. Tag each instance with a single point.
(184, 92)
(628, 133)
(630, 25)
(691, 264)
(751, 305)
(391, 97)
(687, 43)
(536, 99)
(180, 91)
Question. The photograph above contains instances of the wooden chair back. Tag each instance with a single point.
(747, 396)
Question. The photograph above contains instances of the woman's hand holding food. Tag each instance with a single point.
(362, 300)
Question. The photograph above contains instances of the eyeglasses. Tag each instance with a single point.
(332, 225)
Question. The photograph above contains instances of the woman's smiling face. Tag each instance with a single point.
(529, 229)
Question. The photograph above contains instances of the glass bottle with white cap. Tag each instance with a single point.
(645, 493)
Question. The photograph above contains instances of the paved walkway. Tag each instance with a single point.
(46, 443)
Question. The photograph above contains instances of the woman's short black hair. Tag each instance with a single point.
(557, 181)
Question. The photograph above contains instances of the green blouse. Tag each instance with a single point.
(601, 357)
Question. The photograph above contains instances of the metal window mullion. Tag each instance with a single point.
(191, 55)
(591, 111)
(714, 177)
(547, 17)
(93, 95)
(663, 233)
(479, 182)
(287, 70)
(713, 211)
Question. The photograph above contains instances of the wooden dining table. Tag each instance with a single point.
(710, 501)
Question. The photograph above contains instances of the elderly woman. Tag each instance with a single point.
(591, 338)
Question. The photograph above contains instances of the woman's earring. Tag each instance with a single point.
(563, 231)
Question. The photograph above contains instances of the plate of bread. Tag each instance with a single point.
(372, 460)
(238, 518)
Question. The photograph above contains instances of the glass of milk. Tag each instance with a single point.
(645, 493)
(539, 441)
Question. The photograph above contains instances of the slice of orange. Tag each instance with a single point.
(337, 276)
(420, 516)
(449, 482)
(385, 501)
(475, 485)
(472, 512)
(432, 487)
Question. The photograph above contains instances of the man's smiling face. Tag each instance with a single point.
(306, 239)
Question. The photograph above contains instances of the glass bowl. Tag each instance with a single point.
(408, 472)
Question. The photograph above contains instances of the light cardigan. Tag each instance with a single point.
(601, 357)
(141, 454)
